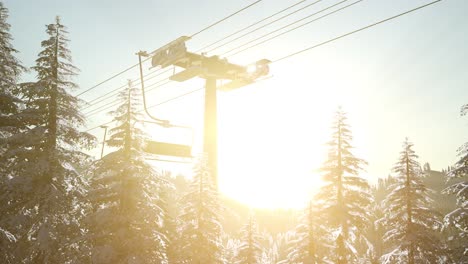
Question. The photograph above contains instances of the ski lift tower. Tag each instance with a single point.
(212, 69)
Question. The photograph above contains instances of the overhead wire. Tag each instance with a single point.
(225, 18)
(308, 48)
(136, 80)
(167, 101)
(268, 24)
(251, 25)
(115, 102)
(290, 24)
(113, 92)
(107, 123)
(102, 108)
(133, 66)
(176, 97)
(106, 80)
(193, 35)
(110, 78)
(356, 31)
(158, 104)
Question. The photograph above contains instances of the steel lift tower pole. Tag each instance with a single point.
(212, 69)
(210, 128)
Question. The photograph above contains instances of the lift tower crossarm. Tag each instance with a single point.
(210, 68)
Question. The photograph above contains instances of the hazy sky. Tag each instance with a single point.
(404, 78)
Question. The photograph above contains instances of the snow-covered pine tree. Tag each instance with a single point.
(377, 228)
(200, 228)
(250, 250)
(374, 233)
(407, 208)
(309, 237)
(10, 71)
(10, 122)
(45, 194)
(345, 197)
(231, 248)
(126, 223)
(458, 218)
(168, 197)
(280, 247)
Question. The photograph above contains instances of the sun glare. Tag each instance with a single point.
(271, 138)
(268, 153)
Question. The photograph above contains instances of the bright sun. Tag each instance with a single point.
(271, 140)
(268, 152)
(273, 134)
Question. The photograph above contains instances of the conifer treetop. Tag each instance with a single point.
(10, 67)
(10, 71)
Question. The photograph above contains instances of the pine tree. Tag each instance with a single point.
(169, 196)
(231, 248)
(344, 198)
(280, 247)
(458, 218)
(126, 223)
(10, 71)
(44, 193)
(250, 250)
(200, 229)
(375, 232)
(309, 238)
(10, 122)
(407, 208)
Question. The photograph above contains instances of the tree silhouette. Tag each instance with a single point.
(408, 212)
(345, 196)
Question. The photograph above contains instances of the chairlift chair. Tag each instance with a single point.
(158, 148)
(167, 151)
